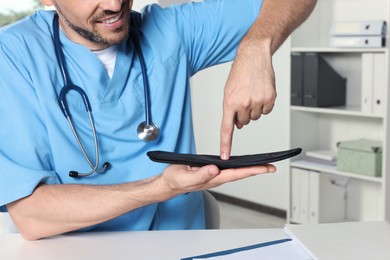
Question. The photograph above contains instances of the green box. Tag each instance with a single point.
(361, 156)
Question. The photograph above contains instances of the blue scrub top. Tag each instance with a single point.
(37, 144)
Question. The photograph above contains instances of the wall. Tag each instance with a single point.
(137, 5)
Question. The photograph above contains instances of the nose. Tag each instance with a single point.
(111, 5)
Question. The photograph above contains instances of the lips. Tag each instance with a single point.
(112, 19)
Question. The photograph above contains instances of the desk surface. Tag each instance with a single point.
(357, 240)
(149, 245)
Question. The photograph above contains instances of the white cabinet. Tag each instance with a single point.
(365, 115)
(317, 197)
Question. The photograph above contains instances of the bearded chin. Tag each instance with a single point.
(117, 36)
(97, 37)
(90, 36)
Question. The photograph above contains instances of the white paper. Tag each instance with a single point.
(297, 241)
(344, 241)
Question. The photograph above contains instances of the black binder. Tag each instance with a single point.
(296, 79)
(322, 85)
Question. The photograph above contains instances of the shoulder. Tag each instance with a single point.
(205, 9)
(211, 15)
(170, 24)
(19, 34)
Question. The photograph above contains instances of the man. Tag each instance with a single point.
(39, 149)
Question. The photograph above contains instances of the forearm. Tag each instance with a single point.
(276, 21)
(57, 209)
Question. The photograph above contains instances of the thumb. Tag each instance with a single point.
(206, 173)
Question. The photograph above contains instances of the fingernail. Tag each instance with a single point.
(224, 156)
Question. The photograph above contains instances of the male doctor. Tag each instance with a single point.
(38, 148)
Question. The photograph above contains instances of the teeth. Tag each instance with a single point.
(112, 20)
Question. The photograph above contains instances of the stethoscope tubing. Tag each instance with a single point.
(146, 80)
(65, 109)
(94, 167)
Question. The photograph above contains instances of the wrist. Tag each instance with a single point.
(162, 190)
(251, 47)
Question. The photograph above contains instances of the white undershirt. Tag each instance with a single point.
(108, 58)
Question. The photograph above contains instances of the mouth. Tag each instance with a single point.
(111, 19)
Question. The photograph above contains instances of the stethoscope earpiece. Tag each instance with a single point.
(76, 174)
(106, 166)
(73, 174)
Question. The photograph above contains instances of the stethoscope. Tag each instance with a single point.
(146, 131)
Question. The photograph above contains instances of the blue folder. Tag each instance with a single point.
(235, 250)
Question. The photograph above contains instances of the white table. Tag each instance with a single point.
(356, 240)
(142, 245)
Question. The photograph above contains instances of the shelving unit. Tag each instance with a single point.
(365, 198)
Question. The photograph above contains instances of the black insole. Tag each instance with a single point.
(233, 162)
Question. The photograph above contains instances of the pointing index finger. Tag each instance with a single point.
(227, 129)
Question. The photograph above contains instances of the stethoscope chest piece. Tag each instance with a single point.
(148, 132)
